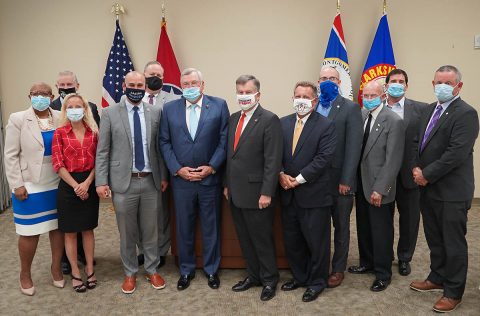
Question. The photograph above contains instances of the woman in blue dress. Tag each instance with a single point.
(28, 165)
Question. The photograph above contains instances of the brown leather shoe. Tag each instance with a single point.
(446, 305)
(156, 281)
(335, 279)
(426, 286)
(129, 284)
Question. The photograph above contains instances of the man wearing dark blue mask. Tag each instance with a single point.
(348, 127)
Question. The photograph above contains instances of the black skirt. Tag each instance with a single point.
(75, 215)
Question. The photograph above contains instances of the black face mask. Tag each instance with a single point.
(64, 91)
(154, 83)
(134, 95)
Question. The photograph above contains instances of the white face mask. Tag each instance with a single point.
(246, 101)
(302, 106)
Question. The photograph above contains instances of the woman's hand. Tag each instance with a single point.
(82, 189)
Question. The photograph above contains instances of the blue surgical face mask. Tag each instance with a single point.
(75, 114)
(372, 103)
(191, 94)
(396, 90)
(40, 103)
(328, 93)
(444, 92)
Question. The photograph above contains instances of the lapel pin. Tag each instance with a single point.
(256, 120)
(338, 106)
(446, 113)
(376, 129)
(206, 105)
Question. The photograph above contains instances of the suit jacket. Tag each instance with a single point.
(447, 158)
(312, 159)
(382, 156)
(253, 168)
(57, 105)
(209, 146)
(24, 147)
(412, 117)
(114, 160)
(164, 97)
(347, 117)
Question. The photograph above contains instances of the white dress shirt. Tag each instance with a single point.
(248, 116)
(398, 107)
(141, 113)
(374, 117)
(198, 110)
(146, 97)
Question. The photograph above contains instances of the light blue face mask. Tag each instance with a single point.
(75, 114)
(40, 103)
(444, 92)
(372, 103)
(396, 90)
(191, 94)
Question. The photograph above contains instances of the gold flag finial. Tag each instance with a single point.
(384, 7)
(118, 9)
(338, 6)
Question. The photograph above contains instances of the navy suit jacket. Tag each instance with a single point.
(209, 147)
(312, 158)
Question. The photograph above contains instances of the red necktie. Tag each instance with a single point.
(150, 99)
(238, 132)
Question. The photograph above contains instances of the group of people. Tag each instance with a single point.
(315, 162)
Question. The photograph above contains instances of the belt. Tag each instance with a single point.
(140, 174)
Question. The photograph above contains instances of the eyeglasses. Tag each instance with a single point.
(328, 78)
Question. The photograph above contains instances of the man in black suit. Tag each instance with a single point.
(343, 172)
(408, 194)
(254, 158)
(308, 145)
(444, 172)
(67, 83)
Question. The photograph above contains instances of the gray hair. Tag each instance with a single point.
(189, 71)
(68, 73)
(307, 84)
(450, 68)
(243, 79)
(153, 62)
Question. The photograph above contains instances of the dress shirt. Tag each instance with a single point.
(325, 111)
(248, 116)
(398, 107)
(146, 97)
(374, 117)
(300, 179)
(198, 110)
(68, 152)
(444, 108)
(141, 113)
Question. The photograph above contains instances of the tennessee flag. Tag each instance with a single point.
(380, 60)
(336, 57)
(166, 57)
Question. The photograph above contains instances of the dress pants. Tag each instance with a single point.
(408, 205)
(375, 235)
(136, 212)
(204, 201)
(307, 243)
(445, 226)
(340, 212)
(255, 233)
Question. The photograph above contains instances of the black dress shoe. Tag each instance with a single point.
(404, 268)
(290, 285)
(66, 268)
(311, 295)
(213, 281)
(244, 285)
(184, 281)
(359, 269)
(162, 262)
(141, 259)
(268, 293)
(379, 285)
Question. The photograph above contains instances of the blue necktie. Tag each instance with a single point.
(193, 120)
(138, 142)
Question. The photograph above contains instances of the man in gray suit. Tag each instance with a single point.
(129, 163)
(381, 158)
(348, 121)
(155, 96)
(407, 195)
(254, 158)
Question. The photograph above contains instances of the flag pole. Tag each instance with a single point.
(163, 12)
(118, 10)
(384, 7)
(338, 6)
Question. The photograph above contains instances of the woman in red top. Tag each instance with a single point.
(73, 157)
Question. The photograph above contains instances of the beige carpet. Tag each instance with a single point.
(352, 298)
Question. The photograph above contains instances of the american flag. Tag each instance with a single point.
(118, 65)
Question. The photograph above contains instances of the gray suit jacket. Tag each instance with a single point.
(164, 97)
(383, 154)
(113, 164)
(349, 129)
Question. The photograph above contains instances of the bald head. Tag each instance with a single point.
(372, 87)
(329, 73)
(134, 75)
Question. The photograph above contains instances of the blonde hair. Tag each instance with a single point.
(87, 118)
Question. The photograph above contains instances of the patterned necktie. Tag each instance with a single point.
(193, 120)
(138, 142)
(238, 132)
(296, 134)
(431, 125)
(150, 99)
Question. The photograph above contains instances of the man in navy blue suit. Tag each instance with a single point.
(309, 141)
(193, 139)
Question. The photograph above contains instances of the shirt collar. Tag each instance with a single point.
(250, 113)
(305, 118)
(446, 104)
(130, 106)
(400, 103)
(69, 127)
(199, 102)
(376, 111)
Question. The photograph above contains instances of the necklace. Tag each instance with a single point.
(45, 126)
